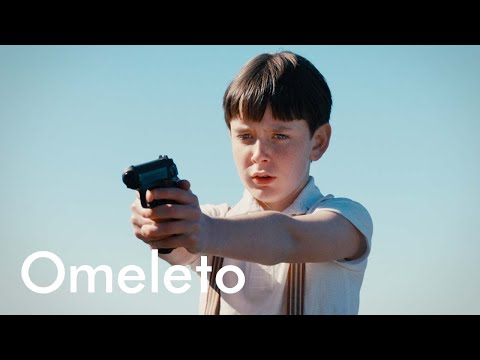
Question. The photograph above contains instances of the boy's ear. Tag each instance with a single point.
(321, 139)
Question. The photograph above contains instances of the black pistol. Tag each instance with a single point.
(158, 173)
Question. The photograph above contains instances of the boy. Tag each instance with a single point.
(301, 252)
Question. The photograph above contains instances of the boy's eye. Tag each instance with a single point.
(280, 136)
(244, 136)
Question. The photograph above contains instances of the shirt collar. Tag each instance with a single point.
(304, 201)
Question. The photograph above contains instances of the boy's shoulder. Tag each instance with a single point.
(331, 200)
(355, 212)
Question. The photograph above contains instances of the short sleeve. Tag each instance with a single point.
(219, 210)
(359, 217)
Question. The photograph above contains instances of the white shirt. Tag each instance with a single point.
(330, 287)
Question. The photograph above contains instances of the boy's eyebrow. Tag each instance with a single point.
(275, 128)
(240, 127)
(280, 128)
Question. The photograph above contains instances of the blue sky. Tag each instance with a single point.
(405, 122)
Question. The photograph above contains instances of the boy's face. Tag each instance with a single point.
(273, 157)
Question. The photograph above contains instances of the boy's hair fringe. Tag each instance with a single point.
(288, 82)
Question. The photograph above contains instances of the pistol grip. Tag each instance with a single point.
(143, 200)
(143, 197)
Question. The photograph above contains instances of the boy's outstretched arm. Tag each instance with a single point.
(271, 237)
(267, 237)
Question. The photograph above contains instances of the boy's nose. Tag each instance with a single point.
(260, 152)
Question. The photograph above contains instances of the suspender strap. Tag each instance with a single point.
(295, 289)
(213, 294)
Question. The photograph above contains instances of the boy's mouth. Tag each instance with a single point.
(263, 179)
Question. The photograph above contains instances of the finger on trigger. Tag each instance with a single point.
(149, 196)
(184, 185)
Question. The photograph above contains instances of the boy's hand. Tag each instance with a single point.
(171, 225)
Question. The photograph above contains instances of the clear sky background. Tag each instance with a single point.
(405, 144)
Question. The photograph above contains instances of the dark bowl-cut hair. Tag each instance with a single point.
(291, 84)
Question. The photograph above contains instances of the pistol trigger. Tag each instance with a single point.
(143, 198)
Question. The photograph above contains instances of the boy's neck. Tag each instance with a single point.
(285, 203)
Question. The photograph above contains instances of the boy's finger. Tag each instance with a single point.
(149, 196)
(140, 221)
(184, 184)
(172, 193)
(170, 211)
(170, 242)
(158, 230)
(181, 184)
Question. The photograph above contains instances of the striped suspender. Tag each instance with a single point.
(295, 289)
(213, 294)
